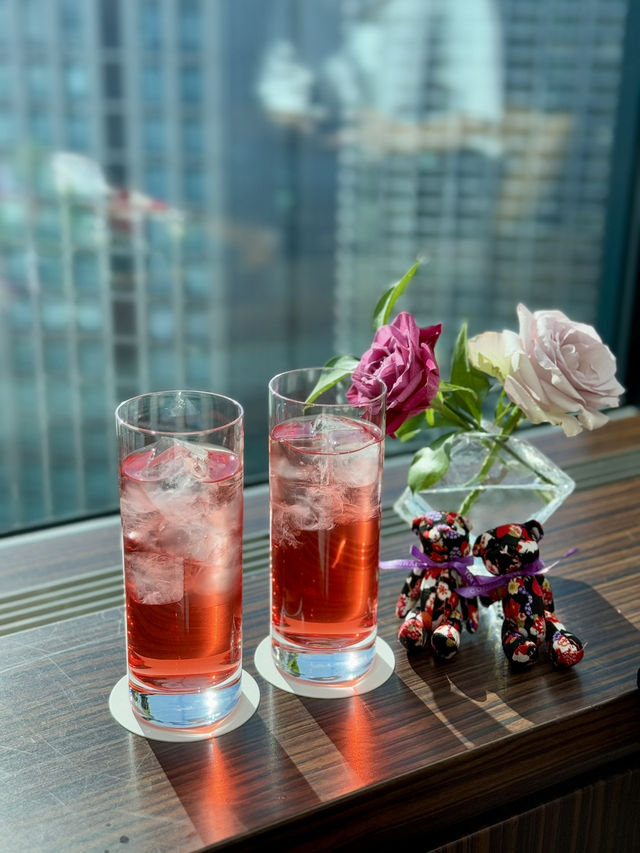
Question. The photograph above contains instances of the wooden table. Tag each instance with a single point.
(544, 760)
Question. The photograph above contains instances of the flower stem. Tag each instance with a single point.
(459, 417)
(498, 442)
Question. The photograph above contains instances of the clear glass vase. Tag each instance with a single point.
(494, 480)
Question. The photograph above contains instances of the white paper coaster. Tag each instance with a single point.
(120, 708)
(383, 665)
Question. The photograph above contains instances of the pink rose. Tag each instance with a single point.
(401, 355)
(557, 371)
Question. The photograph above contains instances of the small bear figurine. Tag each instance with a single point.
(527, 600)
(431, 608)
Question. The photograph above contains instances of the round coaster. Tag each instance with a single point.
(382, 668)
(120, 708)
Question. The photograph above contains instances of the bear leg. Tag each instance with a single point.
(563, 647)
(412, 633)
(445, 640)
(520, 652)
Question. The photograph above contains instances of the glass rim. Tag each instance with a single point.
(378, 399)
(205, 431)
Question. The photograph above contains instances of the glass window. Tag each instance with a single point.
(86, 273)
(194, 186)
(6, 80)
(91, 359)
(116, 174)
(154, 135)
(51, 273)
(114, 130)
(190, 24)
(161, 323)
(155, 181)
(273, 168)
(41, 127)
(34, 22)
(5, 22)
(70, 17)
(78, 132)
(110, 23)
(153, 85)
(191, 84)
(150, 24)
(192, 136)
(38, 82)
(76, 81)
(112, 80)
(8, 129)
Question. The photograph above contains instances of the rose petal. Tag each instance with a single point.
(402, 356)
(556, 370)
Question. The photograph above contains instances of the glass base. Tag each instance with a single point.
(323, 665)
(191, 711)
(521, 484)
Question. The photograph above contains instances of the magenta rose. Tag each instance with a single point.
(402, 356)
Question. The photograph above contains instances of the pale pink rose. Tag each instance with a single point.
(556, 370)
(402, 356)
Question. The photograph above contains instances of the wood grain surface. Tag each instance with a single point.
(441, 751)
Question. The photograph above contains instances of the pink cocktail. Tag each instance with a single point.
(181, 511)
(325, 467)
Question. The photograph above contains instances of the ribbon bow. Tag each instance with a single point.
(475, 584)
(481, 584)
(421, 560)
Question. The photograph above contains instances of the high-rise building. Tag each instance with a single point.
(202, 193)
(500, 120)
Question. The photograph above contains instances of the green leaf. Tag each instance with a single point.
(450, 387)
(445, 413)
(412, 426)
(343, 366)
(465, 376)
(460, 362)
(440, 416)
(383, 309)
(429, 464)
(465, 402)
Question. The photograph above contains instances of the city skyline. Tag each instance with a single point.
(162, 226)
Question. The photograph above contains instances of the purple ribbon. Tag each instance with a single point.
(480, 584)
(475, 584)
(422, 561)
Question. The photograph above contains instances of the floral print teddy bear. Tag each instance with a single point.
(512, 551)
(429, 604)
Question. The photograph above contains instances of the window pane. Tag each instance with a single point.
(150, 12)
(190, 24)
(191, 84)
(203, 194)
(153, 86)
(112, 80)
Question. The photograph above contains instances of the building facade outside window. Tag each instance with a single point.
(203, 194)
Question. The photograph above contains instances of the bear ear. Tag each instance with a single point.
(535, 529)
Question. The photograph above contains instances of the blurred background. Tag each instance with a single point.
(203, 193)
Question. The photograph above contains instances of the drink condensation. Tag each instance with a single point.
(325, 475)
(181, 510)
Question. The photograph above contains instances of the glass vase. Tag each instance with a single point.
(493, 480)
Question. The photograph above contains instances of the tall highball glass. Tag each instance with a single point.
(325, 476)
(181, 503)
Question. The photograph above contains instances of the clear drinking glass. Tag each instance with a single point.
(325, 477)
(181, 505)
